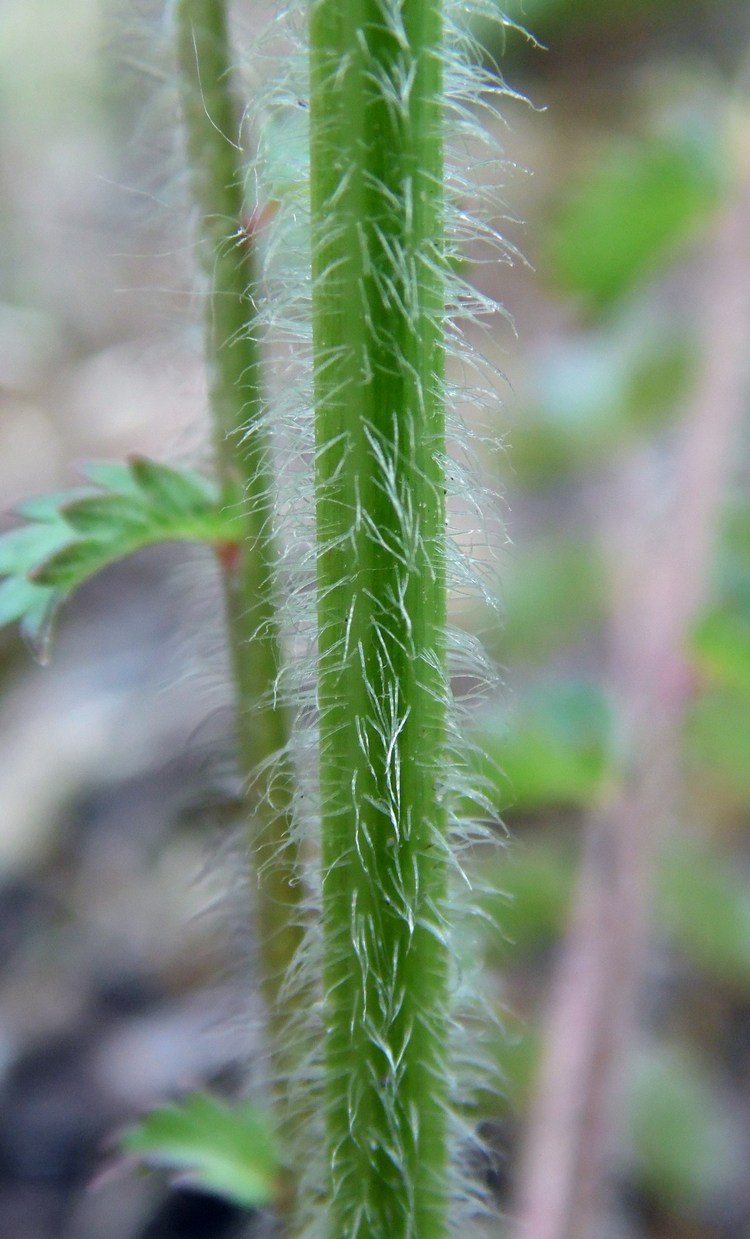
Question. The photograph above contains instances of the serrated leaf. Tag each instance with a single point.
(21, 548)
(111, 476)
(106, 517)
(47, 507)
(225, 1149)
(71, 564)
(18, 596)
(74, 534)
(174, 490)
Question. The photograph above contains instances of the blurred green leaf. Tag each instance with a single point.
(106, 517)
(221, 1148)
(47, 507)
(629, 214)
(685, 1144)
(72, 564)
(658, 380)
(705, 907)
(72, 535)
(531, 899)
(593, 394)
(555, 598)
(717, 726)
(29, 543)
(172, 491)
(17, 597)
(721, 649)
(552, 750)
(112, 475)
(732, 566)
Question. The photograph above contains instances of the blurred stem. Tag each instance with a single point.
(377, 218)
(571, 1141)
(226, 247)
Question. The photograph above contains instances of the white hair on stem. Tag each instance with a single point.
(278, 191)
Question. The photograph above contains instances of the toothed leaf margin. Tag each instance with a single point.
(72, 534)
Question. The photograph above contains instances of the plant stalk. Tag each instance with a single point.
(378, 309)
(227, 250)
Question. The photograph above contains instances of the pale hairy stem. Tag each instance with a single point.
(572, 1136)
(226, 249)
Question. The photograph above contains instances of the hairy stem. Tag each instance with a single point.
(377, 219)
(226, 245)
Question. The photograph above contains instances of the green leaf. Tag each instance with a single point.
(72, 564)
(47, 507)
(551, 751)
(687, 1146)
(73, 534)
(721, 649)
(112, 476)
(26, 545)
(18, 596)
(106, 517)
(705, 906)
(555, 596)
(225, 1149)
(717, 726)
(529, 899)
(178, 491)
(629, 215)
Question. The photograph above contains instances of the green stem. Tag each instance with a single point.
(378, 297)
(243, 459)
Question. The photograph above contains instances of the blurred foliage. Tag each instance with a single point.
(685, 1141)
(552, 750)
(721, 649)
(628, 216)
(716, 734)
(592, 396)
(705, 906)
(557, 596)
(529, 901)
(721, 640)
